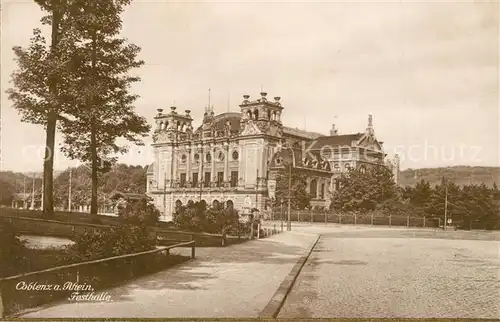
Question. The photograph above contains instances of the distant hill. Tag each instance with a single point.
(461, 175)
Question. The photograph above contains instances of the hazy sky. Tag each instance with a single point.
(428, 72)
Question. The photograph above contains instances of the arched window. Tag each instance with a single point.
(208, 157)
(313, 188)
(178, 204)
(249, 115)
(256, 114)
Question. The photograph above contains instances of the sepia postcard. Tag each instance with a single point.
(249, 160)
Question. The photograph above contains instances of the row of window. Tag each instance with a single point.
(208, 178)
(208, 157)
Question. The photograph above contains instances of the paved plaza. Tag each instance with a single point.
(352, 272)
(370, 272)
(235, 281)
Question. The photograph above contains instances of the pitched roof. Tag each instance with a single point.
(311, 159)
(300, 133)
(128, 195)
(21, 196)
(335, 140)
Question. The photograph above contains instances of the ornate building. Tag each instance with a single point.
(234, 157)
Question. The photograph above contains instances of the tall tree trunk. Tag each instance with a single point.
(93, 147)
(48, 164)
(93, 133)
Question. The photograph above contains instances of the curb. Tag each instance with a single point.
(274, 306)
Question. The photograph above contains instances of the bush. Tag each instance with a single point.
(191, 217)
(120, 240)
(140, 212)
(13, 252)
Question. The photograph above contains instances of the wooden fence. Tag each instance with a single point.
(32, 289)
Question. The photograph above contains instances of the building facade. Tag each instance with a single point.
(234, 157)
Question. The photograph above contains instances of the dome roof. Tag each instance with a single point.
(220, 121)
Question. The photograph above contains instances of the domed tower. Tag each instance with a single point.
(261, 131)
(172, 127)
(261, 114)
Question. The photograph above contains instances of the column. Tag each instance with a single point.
(200, 170)
(174, 166)
(214, 175)
(226, 162)
(188, 172)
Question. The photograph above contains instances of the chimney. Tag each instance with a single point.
(160, 110)
(187, 113)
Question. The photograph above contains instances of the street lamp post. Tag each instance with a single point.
(281, 216)
(445, 203)
(289, 223)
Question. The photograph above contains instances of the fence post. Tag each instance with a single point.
(298, 216)
(407, 221)
(258, 230)
(439, 222)
(372, 219)
(193, 247)
(73, 230)
(355, 218)
(390, 220)
(311, 212)
(340, 219)
(424, 221)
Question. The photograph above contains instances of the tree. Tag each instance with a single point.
(122, 177)
(41, 83)
(106, 111)
(221, 218)
(363, 190)
(191, 216)
(141, 212)
(300, 198)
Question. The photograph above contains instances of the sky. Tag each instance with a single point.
(428, 72)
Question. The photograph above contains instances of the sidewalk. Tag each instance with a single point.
(235, 281)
